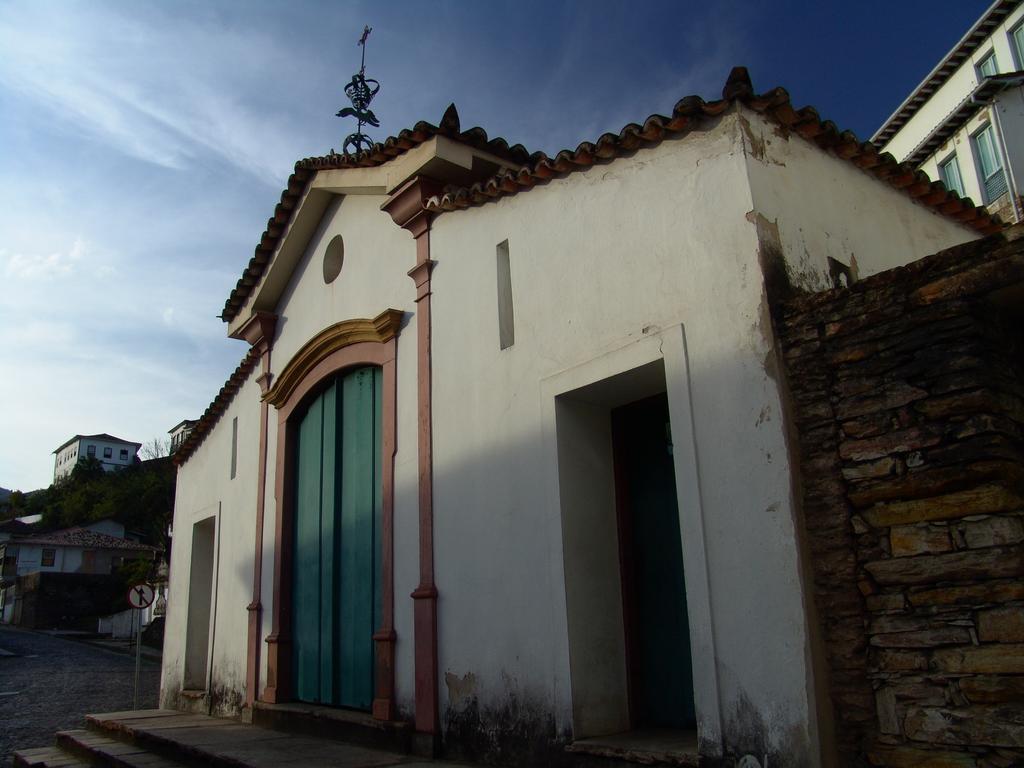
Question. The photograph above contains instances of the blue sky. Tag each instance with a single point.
(143, 145)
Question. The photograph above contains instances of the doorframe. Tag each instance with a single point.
(345, 345)
(667, 345)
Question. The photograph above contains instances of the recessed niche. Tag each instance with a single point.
(334, 258)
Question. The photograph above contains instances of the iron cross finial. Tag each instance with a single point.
(360, 92)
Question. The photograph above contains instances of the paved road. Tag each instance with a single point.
(48, 684)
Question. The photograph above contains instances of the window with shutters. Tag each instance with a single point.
(990, 166)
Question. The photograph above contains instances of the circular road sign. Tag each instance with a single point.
(141, 596)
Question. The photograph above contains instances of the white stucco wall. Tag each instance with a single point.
(30, 558)
(205, 489)
(603, 260)
(826, 207)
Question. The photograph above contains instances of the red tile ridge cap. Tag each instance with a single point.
(688, 113)
(379, 154)
(216, 408)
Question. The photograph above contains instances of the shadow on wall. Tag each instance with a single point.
(502, 614)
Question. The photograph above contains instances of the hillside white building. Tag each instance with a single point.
(964, 124)
(180, 432)
(112, 452)
(509, 455)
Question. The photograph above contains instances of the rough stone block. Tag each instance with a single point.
(925, 638)
(991, 690)
(881, 625)
(871, 425)
(885, 705)
(982, 659)
(886, 602)
(993, 531)
(995, 726)
(884, 399)
(907, 540)
(930, 480)
(982, 278)
(886, 467)
(984, 499)
(970, 594)
(910, 757)
(957, 404)
(900, 441)
(1001, 625)
(970, 565)
(886, 660)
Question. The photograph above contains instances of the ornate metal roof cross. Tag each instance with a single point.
(360, 92)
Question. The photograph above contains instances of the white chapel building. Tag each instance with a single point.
(510, 451)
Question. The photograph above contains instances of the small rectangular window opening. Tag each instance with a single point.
(506, 316)
(234, 446)
(987, 67)
(949, 170)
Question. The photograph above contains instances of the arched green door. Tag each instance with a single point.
(336, 580)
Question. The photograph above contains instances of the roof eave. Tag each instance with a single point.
(966, 45)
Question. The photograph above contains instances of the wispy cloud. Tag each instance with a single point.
(29, 266)
(125, 82)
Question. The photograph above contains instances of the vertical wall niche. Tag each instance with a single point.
(506, 316)
(234, 447)
(200, 590)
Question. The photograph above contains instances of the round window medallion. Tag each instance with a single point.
(334, 258)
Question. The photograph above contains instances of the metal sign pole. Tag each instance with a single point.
(140, 597)
(138, 655)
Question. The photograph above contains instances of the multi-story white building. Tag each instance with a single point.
(112, 452)
(180, 432)
(964, 124)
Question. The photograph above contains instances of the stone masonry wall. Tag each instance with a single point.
(908, 395)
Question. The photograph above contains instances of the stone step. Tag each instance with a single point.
(340, 724)
(47, 757)
(166, 739)
(200, 740)
(96, 749)
(653, 747)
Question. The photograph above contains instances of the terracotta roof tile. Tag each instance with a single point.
(378, 154)
(220, 403)
(688, 114)
(538, 168)
(83, 537)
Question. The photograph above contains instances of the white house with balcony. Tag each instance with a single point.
(111, 452)
(179, 432)
(964, 124)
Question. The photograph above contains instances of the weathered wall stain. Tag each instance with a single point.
(512, 728)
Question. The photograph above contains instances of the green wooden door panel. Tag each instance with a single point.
(306, 575)
(657, 625)
(336, 595)
(328, 548)
(358, 500)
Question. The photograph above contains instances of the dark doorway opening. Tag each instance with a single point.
(657, 634)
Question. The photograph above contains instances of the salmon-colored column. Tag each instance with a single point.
(259, 332)
(406, 209)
